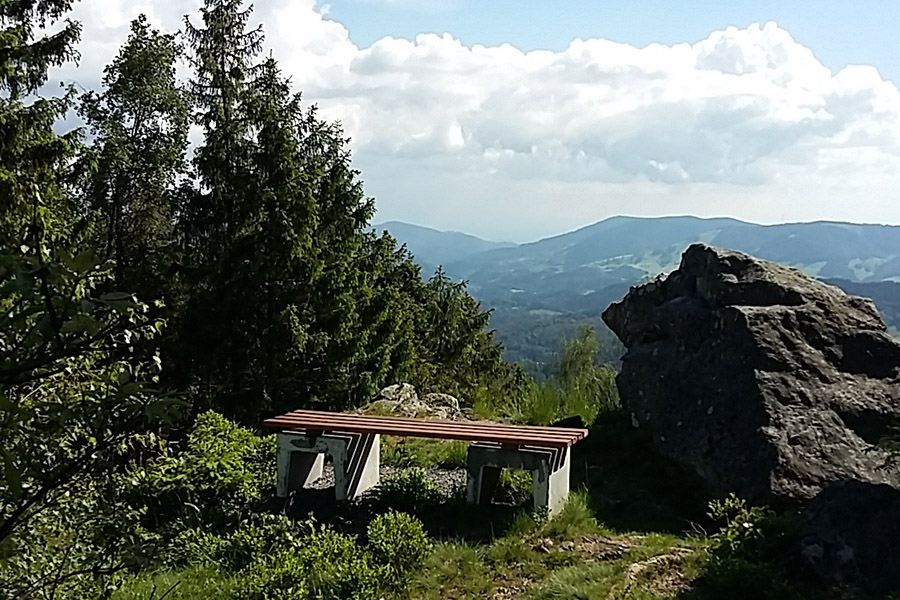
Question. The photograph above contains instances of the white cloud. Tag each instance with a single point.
(745, 122)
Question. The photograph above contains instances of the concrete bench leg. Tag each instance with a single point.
(550, 481)
(549, 470)
(301, 457)
(360, 466)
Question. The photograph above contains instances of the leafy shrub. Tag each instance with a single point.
(322, 565)
(224, 471)
(742, 534)
(410, 491)
(399, 544)
(515, 486)
(259, 535)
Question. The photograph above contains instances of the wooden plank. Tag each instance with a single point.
(412, 427)
(329, 422)
(351, 420)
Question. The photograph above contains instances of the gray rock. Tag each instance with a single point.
(849, 537)
(401, 399)
(401, 393)
(443, 406)
(764, 381)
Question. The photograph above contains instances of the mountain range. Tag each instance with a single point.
(574, 276)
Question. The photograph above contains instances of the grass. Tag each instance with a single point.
(424, 453)
(205, 582)
(568, 556)
(628, 534)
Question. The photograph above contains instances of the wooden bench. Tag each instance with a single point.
(353, 442)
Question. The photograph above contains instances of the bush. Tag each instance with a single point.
(259, 535)
(742, 534)
(224, 471)
(515, 486)
(398, 544)
(411, 491)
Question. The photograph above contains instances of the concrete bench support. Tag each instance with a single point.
(301, 456)
(549, 469)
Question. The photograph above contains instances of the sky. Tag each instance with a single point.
(518, 120)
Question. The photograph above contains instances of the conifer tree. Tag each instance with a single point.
(34, 160)
(224, 55)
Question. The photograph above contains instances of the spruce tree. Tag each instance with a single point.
(224, 57)
(34, 160)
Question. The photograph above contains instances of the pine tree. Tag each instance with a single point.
(140, 128)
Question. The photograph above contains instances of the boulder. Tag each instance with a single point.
(443, 406)
(849, 537)
(764, 381)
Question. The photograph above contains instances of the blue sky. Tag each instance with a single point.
(519, 120)
(838, 32)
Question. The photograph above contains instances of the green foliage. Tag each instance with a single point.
(327, 565)
(202, 581)
(139, 124)
(579, 387)
(456, 354)
(574, 520)
(410, 491)
(514, 486)
(743, 532)
(743, 580)
(35, 162)
(73, 401)
(223, 472)
(399, 544)
(424, 453)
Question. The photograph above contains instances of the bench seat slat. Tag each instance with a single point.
(557, 437)
(479, 426)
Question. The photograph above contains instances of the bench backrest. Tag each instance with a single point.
(472, 431)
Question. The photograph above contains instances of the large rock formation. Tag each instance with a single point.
(766, 382)
(849, 537)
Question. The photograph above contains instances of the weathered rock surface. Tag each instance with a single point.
(402, 399)
(849, 537)
(764, 381)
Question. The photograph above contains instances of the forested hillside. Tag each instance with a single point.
(542, 291)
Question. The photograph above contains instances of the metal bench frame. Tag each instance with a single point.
(353, 442)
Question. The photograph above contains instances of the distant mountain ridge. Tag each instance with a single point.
(583, 271)
(432, 247)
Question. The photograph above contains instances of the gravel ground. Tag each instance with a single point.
(446, 480)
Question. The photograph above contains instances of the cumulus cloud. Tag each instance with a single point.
(696, 127)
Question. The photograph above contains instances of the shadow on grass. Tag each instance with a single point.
(740, 580)
(631, 486)
(451, 519)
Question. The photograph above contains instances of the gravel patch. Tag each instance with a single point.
(448, 481)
